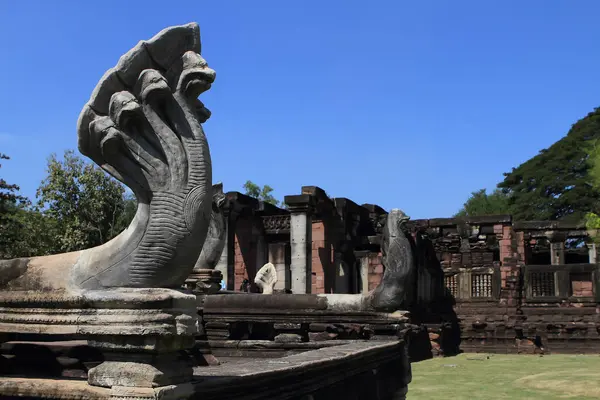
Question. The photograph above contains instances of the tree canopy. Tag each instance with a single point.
(86, 203)
(8, 192)
(78, 206)
(562, 182)
(264, 193)
(556, 184)
(593, 217)
(10, 224)
(481, 203)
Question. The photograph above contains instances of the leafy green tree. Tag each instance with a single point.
(35, 234)
(129, 209)
(557, 184)
(592, 219)
(8, 192)
(481, 203)
(264, 193)
(87, 205)
(10, 225)
(592, 222)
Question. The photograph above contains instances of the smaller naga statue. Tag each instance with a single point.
(205, 278)
(266, 278)
(397, 289)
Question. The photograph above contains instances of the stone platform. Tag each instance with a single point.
(140, 333)
(375, 370)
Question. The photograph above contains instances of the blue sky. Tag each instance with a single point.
(409, 105)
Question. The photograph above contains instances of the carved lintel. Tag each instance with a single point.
(276, 224)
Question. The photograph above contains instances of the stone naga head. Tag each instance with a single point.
(397, 288)
(393, 228)
(142, 125)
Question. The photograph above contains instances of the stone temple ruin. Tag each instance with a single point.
(343, 295)
(115, 322)
(483, 284)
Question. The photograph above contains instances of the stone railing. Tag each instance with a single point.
(560, 283)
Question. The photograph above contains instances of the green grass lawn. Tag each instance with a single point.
(475, 376)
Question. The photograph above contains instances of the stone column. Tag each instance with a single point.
(227, 262)
(363, 257)
(300, 207)
(593, 255)
(301, 243)
(557, 253)
(557, 247)
(464, 283)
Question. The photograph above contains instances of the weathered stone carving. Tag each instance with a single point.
(215, 239)
(142, 125)
(266, 278)
(397, 288)
(275, 224)
(204, 277)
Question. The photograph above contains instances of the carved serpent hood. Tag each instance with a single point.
(396, 290)
(142, 125)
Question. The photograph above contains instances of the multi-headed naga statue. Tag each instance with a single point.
(142, 125)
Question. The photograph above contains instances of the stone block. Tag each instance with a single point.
(321, 336)
(316, 245)
(287, 326)
(141, 371)
(288, 338)
(319, 327)
(318, 231)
